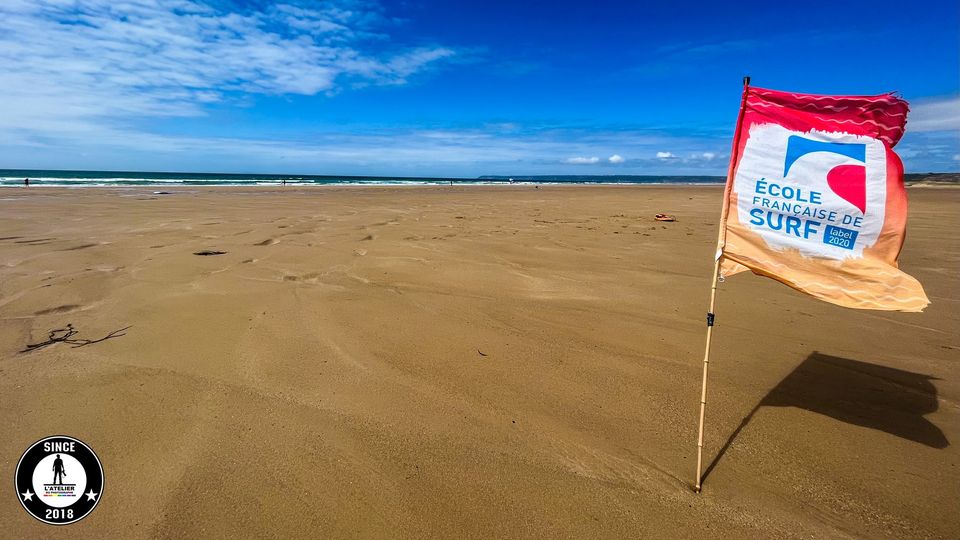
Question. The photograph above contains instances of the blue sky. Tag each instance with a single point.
(448, 88)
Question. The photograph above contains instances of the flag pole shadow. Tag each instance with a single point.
(860, 393)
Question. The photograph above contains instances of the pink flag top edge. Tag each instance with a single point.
(816, 199)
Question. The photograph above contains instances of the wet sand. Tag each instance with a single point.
(465, 362)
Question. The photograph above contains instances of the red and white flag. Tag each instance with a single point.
(816, 198)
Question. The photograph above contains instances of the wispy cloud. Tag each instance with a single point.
(616, 159)
(484, 149)
(936, 114)
(933, 135)
(665, 155)
(76, 66)
(582, 160)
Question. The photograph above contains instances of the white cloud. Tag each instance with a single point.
(358, 149)
(76, 66)
(936, 114)
(665, 155)
(615, 159)
(709, 156)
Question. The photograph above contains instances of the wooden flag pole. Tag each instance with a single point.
(713, 286)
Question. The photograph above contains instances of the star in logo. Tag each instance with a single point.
(28, 496)
(91, 496)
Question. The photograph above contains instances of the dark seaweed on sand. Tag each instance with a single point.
(65, 335)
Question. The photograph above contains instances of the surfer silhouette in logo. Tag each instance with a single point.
(58, 472)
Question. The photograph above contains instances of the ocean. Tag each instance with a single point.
(15, 177)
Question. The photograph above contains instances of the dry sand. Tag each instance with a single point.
(465, 362)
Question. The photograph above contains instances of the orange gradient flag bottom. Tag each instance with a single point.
(816, 199)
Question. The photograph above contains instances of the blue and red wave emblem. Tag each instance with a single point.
(849, 182)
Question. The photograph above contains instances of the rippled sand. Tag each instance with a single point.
(465, 362)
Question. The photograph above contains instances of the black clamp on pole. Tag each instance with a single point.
(710, 319)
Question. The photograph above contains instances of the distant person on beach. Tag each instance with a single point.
(283, 182)
(26, 182)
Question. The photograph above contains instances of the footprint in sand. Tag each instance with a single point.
(84, 246)
(36, 241)
(59, 309)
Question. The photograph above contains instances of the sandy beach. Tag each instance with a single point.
(479, 361)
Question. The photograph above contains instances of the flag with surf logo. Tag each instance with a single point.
(815, 198)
